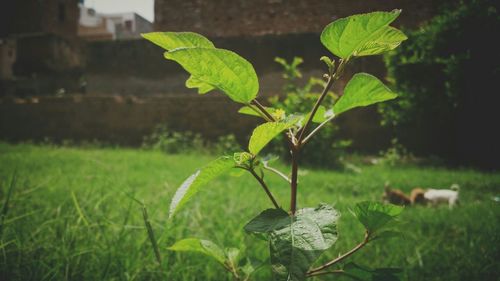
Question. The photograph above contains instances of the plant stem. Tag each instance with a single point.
(316, 129)
(331, 78)
(326, 272)
(293, 184)
(263, 109)
(334, 261)
(233, 271)
(253, 107)
(264, 186)
(276, 171)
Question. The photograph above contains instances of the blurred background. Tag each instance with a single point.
(79, 71)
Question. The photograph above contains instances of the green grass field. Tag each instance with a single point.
(71, 217)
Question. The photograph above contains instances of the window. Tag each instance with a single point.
(128, 25)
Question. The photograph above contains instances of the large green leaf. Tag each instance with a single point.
(362, 90)
(362, 273)
(362, 35)
(264, 133)
(296, 246)
(193, 184)
(205, 247)
(174, 40)
(203, 87)
(296, 241)
(375, 215)
(222, 69)
(268, 221)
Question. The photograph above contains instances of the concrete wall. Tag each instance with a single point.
(125, 120)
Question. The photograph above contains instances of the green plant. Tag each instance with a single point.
(226, 144)
(446, 76)
(325, 149)
(173, 142)
(299, 236)
(395, 154)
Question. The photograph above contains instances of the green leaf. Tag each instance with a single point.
(174, 40)
(250, 266)
(390, 39)
(362, 90)
(362, 35)
(296, 241)
(220, 68)
(205, 247)
(375, 215)
(264, 133)
(233, 256)
(322, 114)
(267, 221)
(203, 87)
(362, 273)
(242, 157)
(193, 184)
(329, 63)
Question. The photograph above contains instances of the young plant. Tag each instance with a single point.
(297, 237)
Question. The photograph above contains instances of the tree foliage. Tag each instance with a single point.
(446, 74)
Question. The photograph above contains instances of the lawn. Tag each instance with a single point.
(72, 216)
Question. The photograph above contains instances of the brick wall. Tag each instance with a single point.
(258, 17)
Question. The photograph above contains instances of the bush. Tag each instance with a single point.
(225, 145)
(445, 74)
(325, 150)
(173, 142)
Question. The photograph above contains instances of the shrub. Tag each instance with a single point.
(173, 142)
(446, 74)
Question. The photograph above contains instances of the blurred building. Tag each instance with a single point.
(28, 18)
(95, 26)
(38, 42)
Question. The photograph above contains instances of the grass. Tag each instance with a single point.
(73, 214)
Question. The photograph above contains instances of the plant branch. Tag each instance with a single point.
(234, 271)
(331, 78)
(259, 112)
(276, 171)
(311, 134)
(293, 184)
(263, 109)
(264, 186)
(325, 272)
(334, 261)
